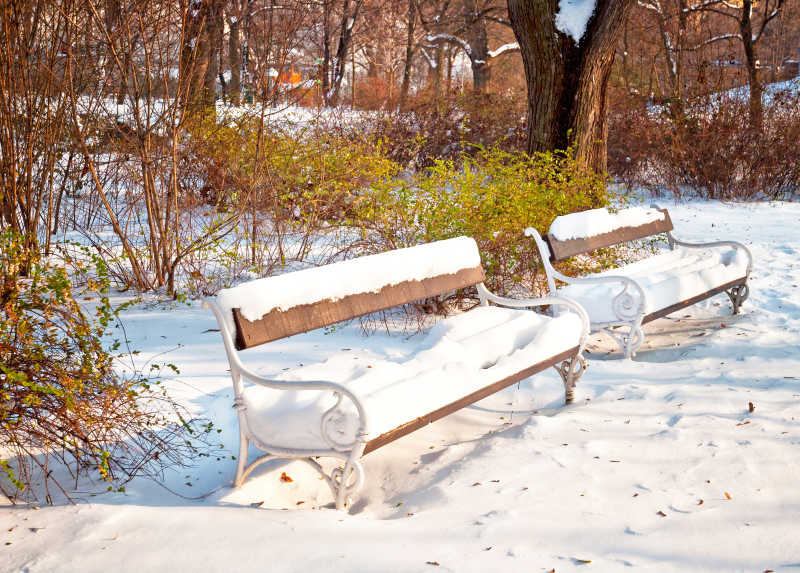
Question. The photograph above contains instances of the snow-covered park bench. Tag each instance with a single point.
(656, 286)
(464, 358)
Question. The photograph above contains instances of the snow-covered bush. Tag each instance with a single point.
(60, 397)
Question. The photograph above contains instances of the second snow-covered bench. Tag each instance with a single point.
(634, 294)
(465, 357)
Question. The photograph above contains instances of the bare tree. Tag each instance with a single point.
(471, 35)
(750, 20)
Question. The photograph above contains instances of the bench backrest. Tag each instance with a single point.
(583, 232)
(276, 307)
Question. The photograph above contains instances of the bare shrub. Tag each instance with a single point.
(446, 127)
(62, 405)
(711, 148)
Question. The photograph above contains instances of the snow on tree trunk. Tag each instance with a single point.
(567, 78)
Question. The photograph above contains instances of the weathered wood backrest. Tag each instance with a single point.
(561, 249)
(276, 307)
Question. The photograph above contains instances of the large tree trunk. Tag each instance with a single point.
(412, 18)
(214, 30)
(235, 59)
(751, 59)
(567, 80)
(475, 26)
(346, 25)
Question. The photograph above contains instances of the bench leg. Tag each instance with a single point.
(244, 444)
(570, 371)
(738, 295)
(345, 482)
(630, 341)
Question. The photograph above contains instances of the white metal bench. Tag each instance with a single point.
(637, 293)
(466, 357)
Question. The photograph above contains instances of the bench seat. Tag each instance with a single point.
(666, 279)
(462, 354)
(344, 408)
(619, 301)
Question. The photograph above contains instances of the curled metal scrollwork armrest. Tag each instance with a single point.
(340, 393)
(624, 304)
(735, 244)
(673, 240)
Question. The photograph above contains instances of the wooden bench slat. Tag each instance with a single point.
(279, 323)
(561, 250)
(690, 301)
(422, 421)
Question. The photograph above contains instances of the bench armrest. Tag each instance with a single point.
(240, 371)
(623, 304)
(488, 295)
(735, 244)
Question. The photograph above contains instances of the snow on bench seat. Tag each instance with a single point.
(340, 408)
(460, 355)
(666, 278)
(634, 294)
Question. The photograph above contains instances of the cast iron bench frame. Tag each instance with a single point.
(629, 313)
(345, 481)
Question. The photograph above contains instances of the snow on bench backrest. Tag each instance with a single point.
(275, 307)
(586, 231)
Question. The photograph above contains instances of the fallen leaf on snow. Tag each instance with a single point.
(433, 563)
(257, 504)
(285, 478)
(700, 502)
(661, 513)
(727, 495)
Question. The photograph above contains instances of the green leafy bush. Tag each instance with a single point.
(60, 398)
(492, 196)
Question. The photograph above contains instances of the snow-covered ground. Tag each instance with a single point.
(658, 466)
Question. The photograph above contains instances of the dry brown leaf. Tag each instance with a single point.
(436, 563)
(750, 407)
(700, 502)
(285, 478)
(300, 502)
(743, 423)
(727, 495)
(661, 513)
